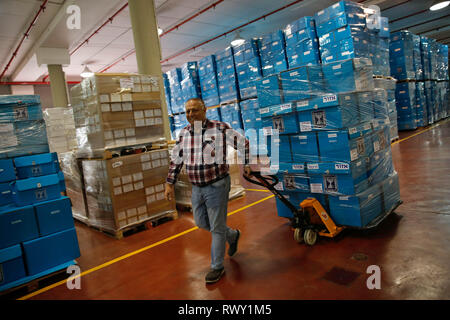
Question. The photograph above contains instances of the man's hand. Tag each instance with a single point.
(170, 191)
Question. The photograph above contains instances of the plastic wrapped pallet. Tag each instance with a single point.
(126, 190)
(60, 129)
(389, 85)
(207, 71)
(73, 176)
(116, 110)
(226, 76)
(248, 67)
(22, 126)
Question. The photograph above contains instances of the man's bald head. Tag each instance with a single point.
(195, 110)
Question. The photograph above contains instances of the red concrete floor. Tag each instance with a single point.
(410, 247)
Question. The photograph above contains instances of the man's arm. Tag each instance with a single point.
(176, 163)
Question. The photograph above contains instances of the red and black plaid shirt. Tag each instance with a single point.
(205, 153)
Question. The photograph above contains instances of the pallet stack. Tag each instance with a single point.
(122, 153)
(333, 127)
(60, 129)
(37, 234)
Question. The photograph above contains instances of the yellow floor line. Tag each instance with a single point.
(259, 190)
(422, 131)
(106, 264)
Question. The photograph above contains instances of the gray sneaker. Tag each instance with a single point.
(214, 275)
(234, 246)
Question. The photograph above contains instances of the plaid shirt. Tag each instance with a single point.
(205, 153)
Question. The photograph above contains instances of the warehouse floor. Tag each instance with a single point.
(410, 247)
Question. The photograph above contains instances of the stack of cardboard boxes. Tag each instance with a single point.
(167, 93)
(121, 176)
(37, 234)
(60, 129)
(176, 95)
(226, 76)
(248, 67)
(273, 53)
(421, 67)
(208, 80)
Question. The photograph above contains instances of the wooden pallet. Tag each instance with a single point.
(135, 228)
(34, 285)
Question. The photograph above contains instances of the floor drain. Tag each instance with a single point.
(359, 256)
(341, 276)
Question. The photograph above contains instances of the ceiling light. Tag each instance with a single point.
(160, 31)
(439, 4)
(238, 40)
(86, 72)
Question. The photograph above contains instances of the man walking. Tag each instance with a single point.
(202, 147)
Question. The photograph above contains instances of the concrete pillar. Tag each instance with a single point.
(58, 85)
(148, 50)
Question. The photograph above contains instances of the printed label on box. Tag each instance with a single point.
(279, 186)
(127, 106)
(342, 166)
(344, 198)
(267, 131)
(117, 164)
(105, 107)
(306, 53)
(305, 126)
(376, 146)
(41, 194)
(298, 167)
(353, 154)
(285, 106)
(126, 83)
(293, 73)
(20, 113)
(304, 103)
(316, 188)
(336, 67)
(330, 183)
(263, 110)
(319, 119)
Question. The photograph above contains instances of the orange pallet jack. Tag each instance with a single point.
(310, 219)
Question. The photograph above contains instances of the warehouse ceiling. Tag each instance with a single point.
(111, 48)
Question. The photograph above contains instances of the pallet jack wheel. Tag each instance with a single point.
(310, 237)
(298, 235)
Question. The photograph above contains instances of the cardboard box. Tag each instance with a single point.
(391, 192)
(54, 216)
(50, 251)
(346, 178)
(349, 75)
(7, 172)
(36, 165)
(304, 147)
(293, 182)
(341, 145)
(285, 124)
(15, 108)
(11, 264)
(5, 194)
(37, 189)
(358, 210)
(269, 91)
(17, 224)
(301, 83)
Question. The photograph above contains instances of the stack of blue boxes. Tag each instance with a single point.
(302, 44)
(389, 84)
(379, 35)
(342, 32)
(208, 80)
(190, 83)
(248, 67)
(178, 122)
(231, 114)
(37, 233)
(176, 94)
(273, 53)
(226, 76)
(167, 93)
(414, 63)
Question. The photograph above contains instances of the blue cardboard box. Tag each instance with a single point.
(344, 7)
(52, 250)
(296, 199)
(329, 112)
(294, 182)
(62, 182)
(301, 83)
(285, 124)
(358, 210)
(30, 133)
(350, 32)
(22, 150)
(349, 75)
(11, 264)
(17, 224)
(213, 114)
(391, 192)
(38, 189)
(5, 194)
(36, 165)
(341, 145)
(278, 147)
(54, 216)
(304, 147)
(7, 172)
(306, 33)
(346, 178)
(365, 106)
(380, 166)
(292, 167)
(225, 53)
(269, 91)
(20, 108)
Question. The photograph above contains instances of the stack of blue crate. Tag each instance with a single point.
(302, 45)
(179, 122)
(273, 53)
(22, 126)
(167, 93)
(213, 113)
(406, 66)
(37, 233)
(389, 84)
(190, 83)
(342, 32)
(176, 94)
(231, 114)
(207, 72)
(248, 67)
(333, 141)
(251, 117)
(379, 35)
(226, 76)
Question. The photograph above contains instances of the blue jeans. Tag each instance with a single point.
(209, 205)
